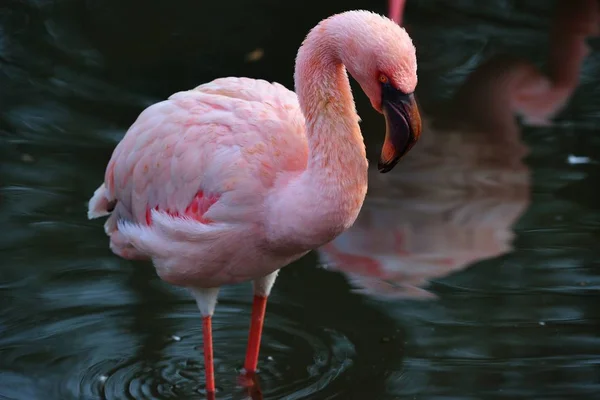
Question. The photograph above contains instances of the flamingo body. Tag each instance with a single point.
(234, 179)
(192, 178)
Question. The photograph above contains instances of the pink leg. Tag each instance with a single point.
(206, 298)
(259, 307)
(396, 10)
(209, 370)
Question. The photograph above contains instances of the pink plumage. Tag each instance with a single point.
(234, 179)
(201, 165)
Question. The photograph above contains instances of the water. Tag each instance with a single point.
(483, 284)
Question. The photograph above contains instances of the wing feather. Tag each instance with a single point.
(229, 138)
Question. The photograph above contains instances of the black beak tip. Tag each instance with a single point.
(385, 167)
(399, 110)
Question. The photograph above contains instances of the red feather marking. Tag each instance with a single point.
(195, 210)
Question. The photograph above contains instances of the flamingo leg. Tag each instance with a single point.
(396, 10)
(209, 369)
(206, 298)
(262, 289)
(259, 307)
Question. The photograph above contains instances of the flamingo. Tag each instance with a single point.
(236, 178)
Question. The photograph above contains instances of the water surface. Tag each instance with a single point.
(471, 273)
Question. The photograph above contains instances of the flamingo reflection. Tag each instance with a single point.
(455, 198)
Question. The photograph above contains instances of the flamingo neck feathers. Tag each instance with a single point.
(336, 146)
(326, 198)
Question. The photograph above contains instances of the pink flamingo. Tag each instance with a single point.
(233, 180)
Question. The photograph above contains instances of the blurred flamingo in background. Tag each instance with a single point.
(232, 180)
(396, 10)
(465, 185)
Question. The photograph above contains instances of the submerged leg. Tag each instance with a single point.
(262, 289)
(207, 300)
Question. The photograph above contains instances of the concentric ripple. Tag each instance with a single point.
(105, 355)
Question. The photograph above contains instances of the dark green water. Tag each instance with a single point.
(470, 274)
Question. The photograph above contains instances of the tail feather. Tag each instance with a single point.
(100, 205)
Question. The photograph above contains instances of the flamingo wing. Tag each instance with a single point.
(208, 156)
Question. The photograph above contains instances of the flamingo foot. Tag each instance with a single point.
(249, 381)
(211, 396)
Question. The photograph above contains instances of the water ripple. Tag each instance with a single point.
(95, 355)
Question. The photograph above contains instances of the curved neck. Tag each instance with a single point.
(324, 199)
(326, 101)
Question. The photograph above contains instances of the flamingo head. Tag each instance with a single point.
(380, 55)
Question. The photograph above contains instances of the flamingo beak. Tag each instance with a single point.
(403, 126)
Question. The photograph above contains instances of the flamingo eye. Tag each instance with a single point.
(383, 78)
